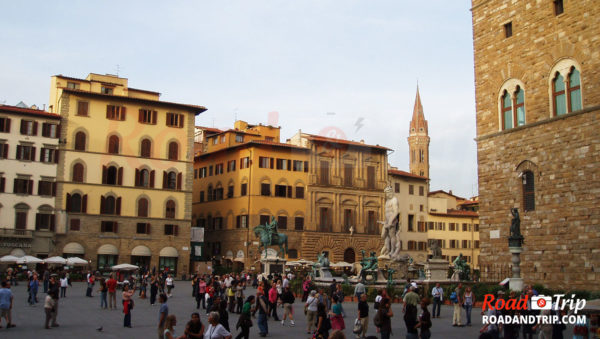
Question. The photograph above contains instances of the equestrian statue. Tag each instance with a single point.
(268, 236)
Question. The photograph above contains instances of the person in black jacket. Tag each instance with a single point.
(287, 298)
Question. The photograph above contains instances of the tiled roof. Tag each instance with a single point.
(406, 174)
(28, 111)
(448, 193)
(197, 109)
(343, 141)
(468, 202)
(210, 129)
(457, 213)
(254, 143)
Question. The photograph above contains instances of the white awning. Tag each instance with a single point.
(73, 248)
(141, 251)
(108, 249)
(169, 252)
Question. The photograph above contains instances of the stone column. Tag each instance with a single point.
(516, 282)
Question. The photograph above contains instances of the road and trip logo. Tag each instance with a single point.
(548, 308)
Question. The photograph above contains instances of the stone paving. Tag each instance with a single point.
(80, 316)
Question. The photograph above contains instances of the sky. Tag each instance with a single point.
(341, 68)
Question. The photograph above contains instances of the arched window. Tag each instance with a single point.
(144, 178)
(507, 111)
(170, 209)
(111, 175)
(146, 148)
(292, 253)
(520, 106)
(113, 144)
(559, 98)
(75, 203)
(528, 191)
(109, 205)
(80, 141)
(173, 151)
(172, 180)
(209, 193)
(77, 172)
(574, 90)
(142, 207)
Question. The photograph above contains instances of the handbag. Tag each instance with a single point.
(357, 326)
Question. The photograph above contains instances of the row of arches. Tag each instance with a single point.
(114, 145)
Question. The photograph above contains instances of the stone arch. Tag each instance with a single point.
(282, 212)
(137, 205)
(86, 142)
(177, 149)
(265, 180)
(78, 161)
(119, 139)
(373, 245)
(175, 202)
(142, 142)
(371, 203)
(283, 181)
(564, 67)
(324, 201)
(264, 211)
(510, 87)
(350, 255)
(299, 182)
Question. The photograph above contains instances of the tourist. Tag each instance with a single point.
(491, 330)
(210, 291)
(53, 285)
(169, 332)
(153, 289)
(310, 310)
(273, 302)
(359, 290)
(286, 281)
(163, 312)
(103, 293)
(468, 302)
(438, 296)
(33, 289)
(111, 287)
(194, 328)
(384, 318)
(127, 304)
(64, 283)
(231, 298)
(54, 294)
(323, 325)
(528, 330)
(339, 293)
(287, 298)
(335, 316)
(410, 299)
(424, 320)
(223, 315)
(306, 288)
(545, 328)
(239, 296)
(90, 284)
(456, 321)
(377, 300)
(170, 285)
(363, 314)
(200, 294)
(215, 330)
(245, 320)
(46, 279)
(49, 304)
(263, 311)
(6, 303)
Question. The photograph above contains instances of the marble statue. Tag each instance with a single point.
(390, 225)
(436, 251)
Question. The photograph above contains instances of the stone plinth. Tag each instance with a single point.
(516, 282)
(436, 270)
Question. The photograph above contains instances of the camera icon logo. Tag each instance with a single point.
(541, 303)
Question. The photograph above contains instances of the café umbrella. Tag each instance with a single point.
(9, 259)
(55, 260)
(125, 267)
(75, 261)
(28, 259)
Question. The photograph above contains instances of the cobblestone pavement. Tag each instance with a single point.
(80, 316)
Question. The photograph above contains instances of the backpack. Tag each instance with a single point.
(453, 297)
(377, 319)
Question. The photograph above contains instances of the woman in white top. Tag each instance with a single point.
(215, 330)
(169, 283)
(169, 332)
(64, 283)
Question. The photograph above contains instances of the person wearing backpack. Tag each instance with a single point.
(383, 319)
(424, 320)
(456, 298)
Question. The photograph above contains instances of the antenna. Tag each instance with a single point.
(118, 69)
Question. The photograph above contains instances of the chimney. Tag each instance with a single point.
(450, 192)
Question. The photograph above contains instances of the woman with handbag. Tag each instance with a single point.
(335, 316)
(245, 320)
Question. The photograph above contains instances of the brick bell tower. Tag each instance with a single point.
(418, 141)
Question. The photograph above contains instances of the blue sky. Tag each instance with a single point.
(318, 64)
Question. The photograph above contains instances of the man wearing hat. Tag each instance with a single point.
(310, 309)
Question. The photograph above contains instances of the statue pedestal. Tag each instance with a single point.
(325, 272)
(400, 268)
(516, 282)
(272, 265)
(436, 270)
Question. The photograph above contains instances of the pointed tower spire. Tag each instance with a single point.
(418, 140)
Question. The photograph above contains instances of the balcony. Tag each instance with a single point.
(15, 233)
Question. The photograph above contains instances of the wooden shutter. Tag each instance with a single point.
(115, 227)
(35, 127)
(238, 221)
(120, 176)
(271, 161)
(181, 116)
(137, 177)
(147, 228)
(54, 189)
(102, 204)
(57, 131)
(44, 129)
(84, 204)
(164, 179)
(152, 178)
(32, 158)
(23, 126)
(19, 151)
(15, 185)
(2, 184)
(38, 219)
(118, 206)
(289, 191)
(55, 156)
(179, 177)
(175, 230)
(52, 222)
(289, 165)
(123, 111)
(7, 125)
(141, 115)
(68, 209)
(39, 188)
(108, 111)
(5, 152)
(306, 166)
(30, 188)
(154, 113)
(104, 173)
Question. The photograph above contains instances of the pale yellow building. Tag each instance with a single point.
(125, 173)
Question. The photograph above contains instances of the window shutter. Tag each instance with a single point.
(5, 152)
(164, 179)
(57, 131)
(84, 204)
(30, 189)
(154, 117)
(23, 126)
(14, 185)
(7, 126)
(115, 227)
(137, 177)
(102, 204)
(237, 221)
(179, 177)
(42, 155)
(289, 165)
(104, 174)
(123, 111)
(44, 130)
(2, 184)
(141, 116)
(107, 111)
(52, 222)
(120, 176)
(68, 209)
(56, 156)
(35, 126)
(272, 161)
(54, 189)
(289, 191)
(148, 228)
(19, 149)
(32, 158)
(118, 208)
(38, 218)
(175, 230)
(39, 188)
(152, 178)
(181, 117)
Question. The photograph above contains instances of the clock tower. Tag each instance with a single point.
(418, 141)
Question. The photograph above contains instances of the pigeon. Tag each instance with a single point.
(99, 329)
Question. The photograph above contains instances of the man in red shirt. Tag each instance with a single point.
(111, 284)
